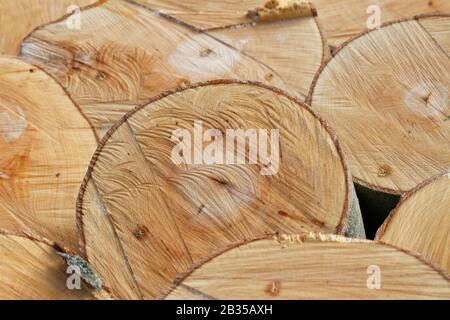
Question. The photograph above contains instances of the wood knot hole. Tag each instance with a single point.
(273, 288)
(140, 232)
(384, 170)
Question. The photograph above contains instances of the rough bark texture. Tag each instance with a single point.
(144, 220)
(313, 266)
(386, 93)
(421, 221)
(45, 144)
(126, 52)
(33, 268)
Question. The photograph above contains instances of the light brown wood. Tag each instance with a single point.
(387, 95)
(343, 19)
(276, 10)
(421, 222)
(19, 17)
(205, 14)
(125, 53)
(32, 268)
(313, 266)
(45, 144)
(145, 220)
(209, 15)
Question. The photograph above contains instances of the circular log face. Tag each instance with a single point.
(313, 267)
(45, 144)
(31, 268)
(342, 19)
(421, 222)
(20, 17)
(149, 211)
(124, 53)
(387, 95)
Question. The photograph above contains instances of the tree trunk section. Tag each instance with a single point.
(45, 144)
(161, 215)
(313, 266)
(386, 94)
(126, 52)
(421, 222)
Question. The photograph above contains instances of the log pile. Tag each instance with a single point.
(224, 149)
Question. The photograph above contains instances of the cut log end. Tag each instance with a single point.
(313, 266)
(19, 18)
(421, 222)
(160, 201)
(387, 95)
(45, 144)
(109, 74)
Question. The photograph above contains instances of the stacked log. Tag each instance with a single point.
(386, 93)
(126, 52)
(46, 143)
(421, 221)
(147, 214)
(312, 266)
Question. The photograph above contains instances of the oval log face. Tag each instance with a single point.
(421, 222)
(313, 266)
(45, 144)
(193, 171)
(125, 53)
(343, 19)
(387, 94)
(32, 268)
(19, 17)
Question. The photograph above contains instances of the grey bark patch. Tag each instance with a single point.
(86, 271)
(354, 227)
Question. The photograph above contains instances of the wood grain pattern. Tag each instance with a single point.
(421, 222)
(45, 144)
(205, 14)
(312, 266)
(387, 95)
(144, 220)
(32, 269)
(125, 53)
(342, 19)
(19, 17)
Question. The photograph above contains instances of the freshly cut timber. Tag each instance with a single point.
(342, 19)
(175, 180)
(421, 222)
(19, 17)
(386, 93)
(313, 266)
(34, 268)
(45, 144)
(126, 52)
